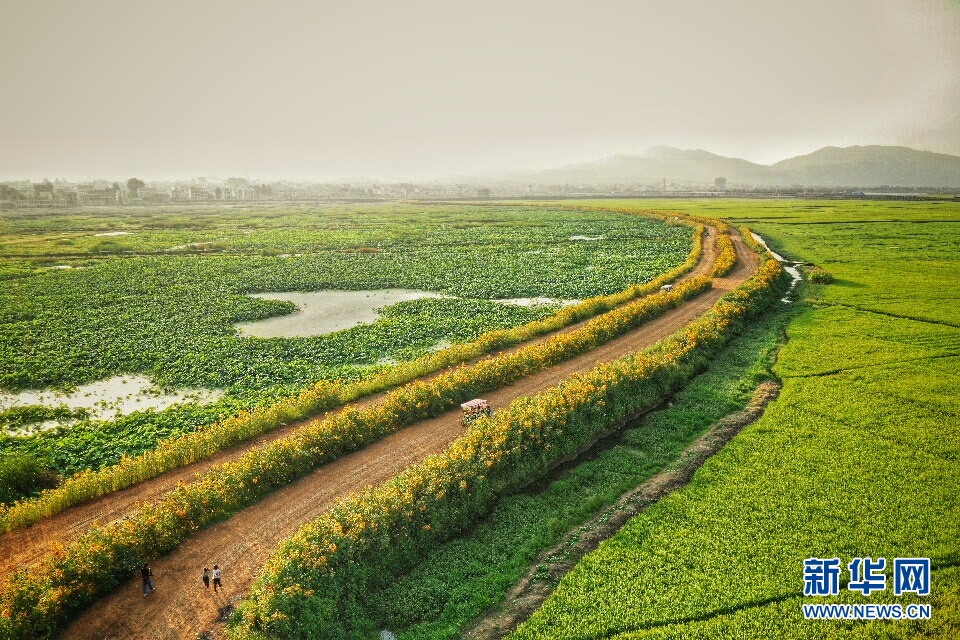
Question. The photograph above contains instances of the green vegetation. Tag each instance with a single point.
(23, 473)
(858, 457)
(190, 447)
(172, 317)
(819, 275)
(162, 300)
(459, 580)
(98, 560)
(311, 586)
(24, 415)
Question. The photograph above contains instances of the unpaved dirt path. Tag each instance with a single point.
(182, 609)
(26, 546)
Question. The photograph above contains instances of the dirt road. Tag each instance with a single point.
(181, 608)
(24, 547)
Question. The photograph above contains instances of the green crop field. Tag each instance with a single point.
(80, 303)
(859, 456)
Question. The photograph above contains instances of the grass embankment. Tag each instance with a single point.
(208, 440)
(859, 456)
(459, 580)
(313, 584)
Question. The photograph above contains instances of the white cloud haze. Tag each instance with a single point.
(433, 88)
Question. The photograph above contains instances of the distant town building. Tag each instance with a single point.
(9, 197)
(198, 192)
(67, 198)
(43, 191)
(151, 195)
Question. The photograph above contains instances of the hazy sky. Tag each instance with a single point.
(390, 89)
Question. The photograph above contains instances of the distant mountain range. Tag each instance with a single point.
(867, 166)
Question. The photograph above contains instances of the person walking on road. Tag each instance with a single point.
(147, 576)
(206, 578)
(217, 585)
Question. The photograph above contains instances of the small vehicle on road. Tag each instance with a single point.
(474, 409)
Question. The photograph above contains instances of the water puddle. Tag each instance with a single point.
(585, 238)
(114, 233)
(322, 312)
(789, 267)
(107, 399)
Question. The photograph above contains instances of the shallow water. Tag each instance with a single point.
(109, 398)
(789, 267)
(322, 312)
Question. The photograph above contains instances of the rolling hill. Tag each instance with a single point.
(857, 166)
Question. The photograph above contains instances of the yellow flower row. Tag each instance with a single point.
(727, 257)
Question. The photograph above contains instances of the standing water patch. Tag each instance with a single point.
(789, 267)
(322, 312)
(106, 399)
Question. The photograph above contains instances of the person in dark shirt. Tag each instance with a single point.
(147, 574)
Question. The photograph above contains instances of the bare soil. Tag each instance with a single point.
(182, 608)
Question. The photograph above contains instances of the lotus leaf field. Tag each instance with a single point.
(162, 298)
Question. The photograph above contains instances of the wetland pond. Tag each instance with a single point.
(107, 399)
(321, 312)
